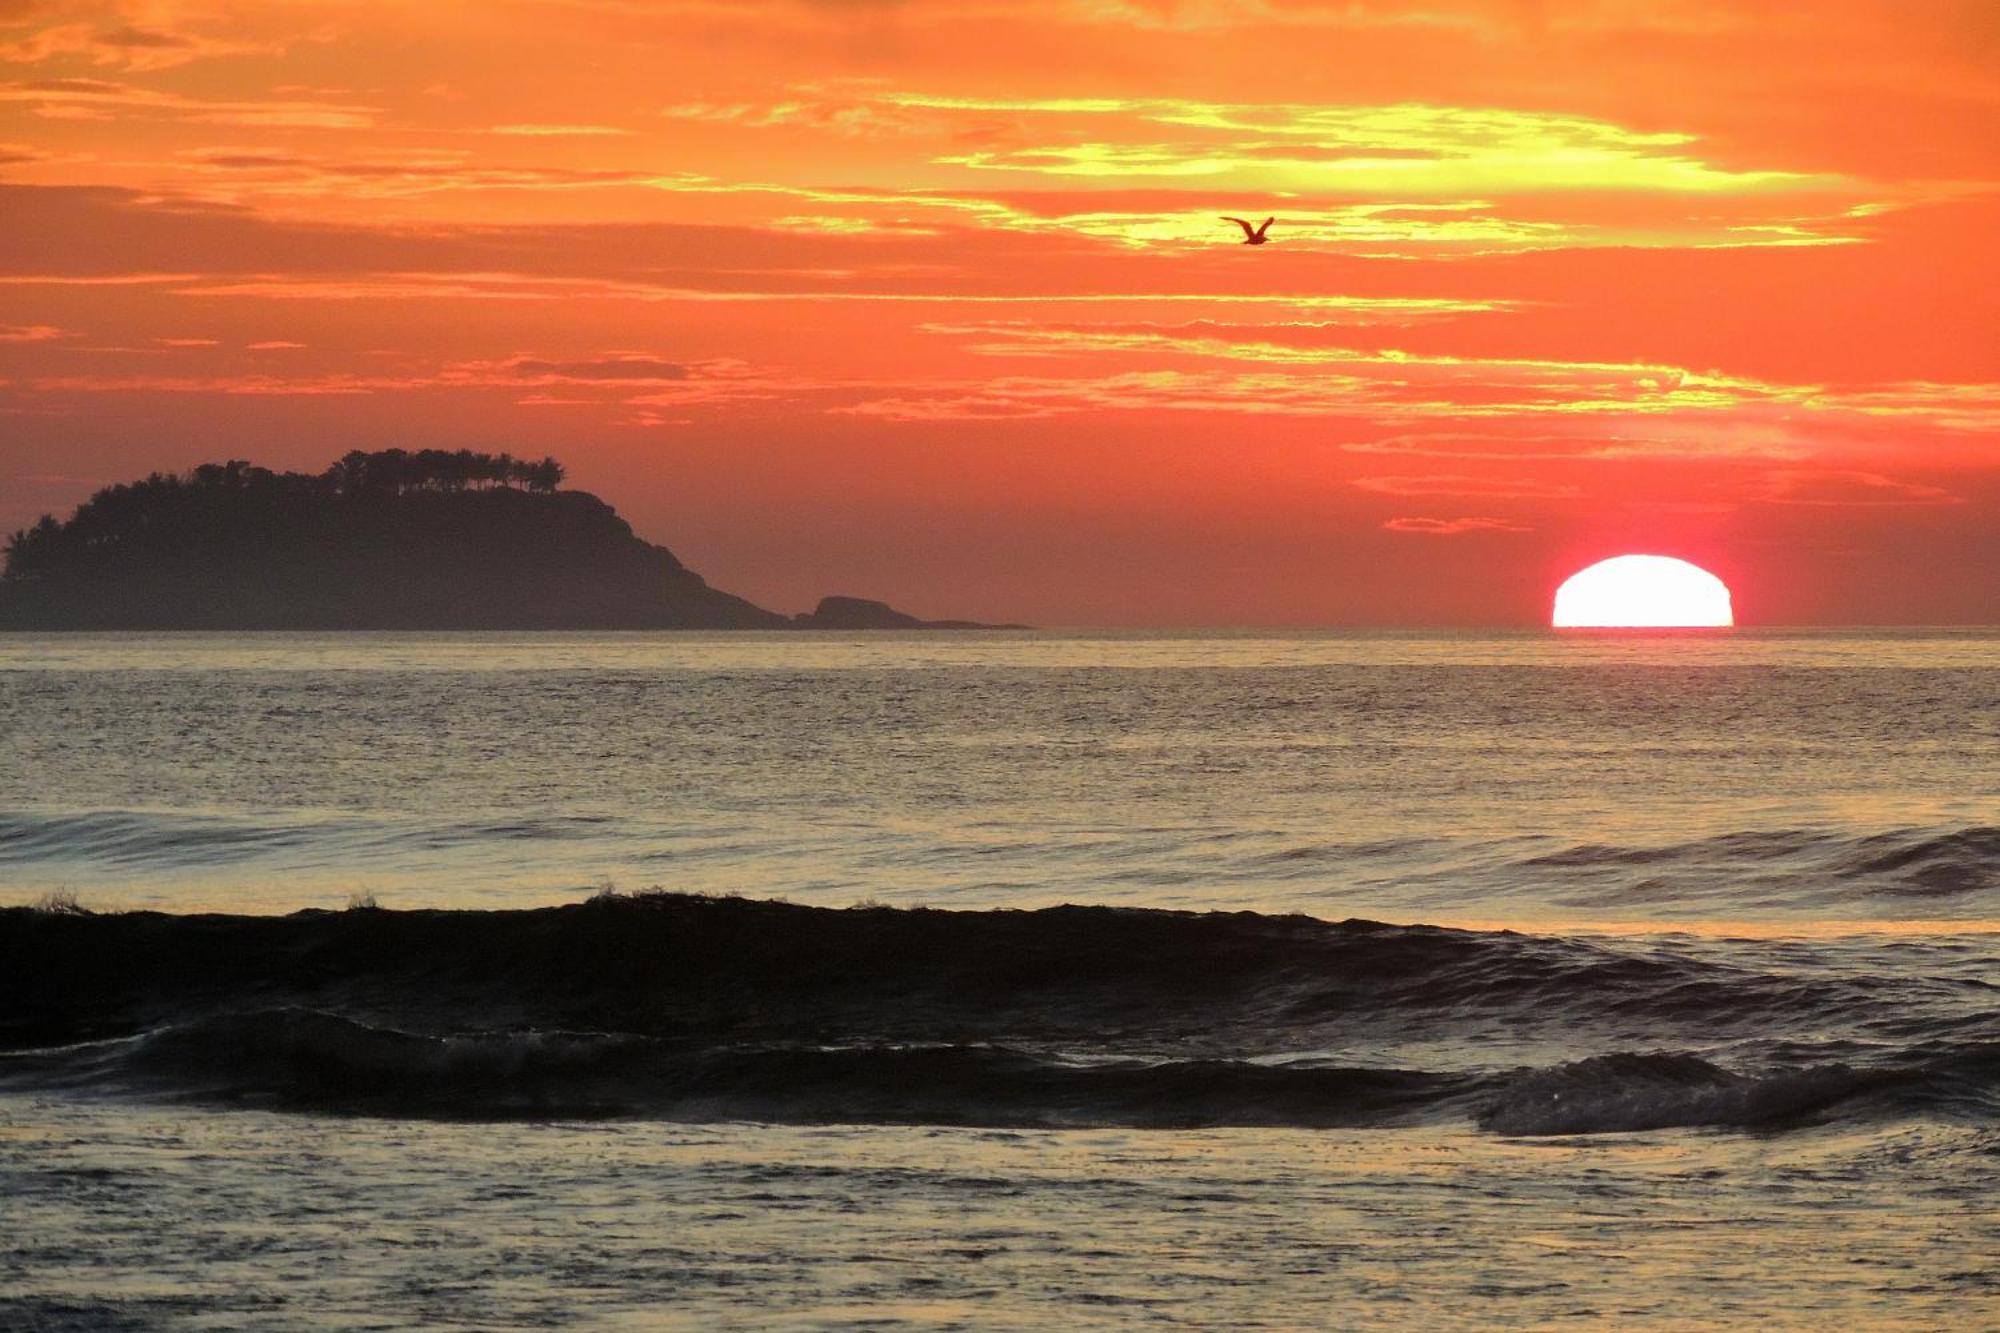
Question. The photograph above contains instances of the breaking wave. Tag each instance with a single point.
(306, 1060)
(683, 1007)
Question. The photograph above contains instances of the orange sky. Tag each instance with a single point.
(931, 301)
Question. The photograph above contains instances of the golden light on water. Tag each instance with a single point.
(1643, 592)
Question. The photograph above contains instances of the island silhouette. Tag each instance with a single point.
(391, 539)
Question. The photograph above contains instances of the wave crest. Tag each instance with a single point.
(699, 1008)
(1627, 1092)
(306, 1060)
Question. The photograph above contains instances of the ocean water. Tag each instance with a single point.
(1480, 779)
(1405, 980)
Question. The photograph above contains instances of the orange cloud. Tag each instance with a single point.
(1836, 488)
(125, 45)
(1452, 527)
(617, 368)
(261, 386)
(1454, 484)
(104, 99)
(561, 131)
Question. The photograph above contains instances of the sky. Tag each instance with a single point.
(933, 302)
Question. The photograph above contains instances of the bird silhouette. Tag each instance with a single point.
(1253, 235)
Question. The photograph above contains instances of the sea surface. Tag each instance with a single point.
(996, 980)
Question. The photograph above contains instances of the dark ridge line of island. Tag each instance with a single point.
(391, 540)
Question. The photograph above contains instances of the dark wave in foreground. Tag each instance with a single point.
(306, 1060)
(691, 1008)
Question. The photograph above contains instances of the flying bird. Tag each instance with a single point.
(1252, 236)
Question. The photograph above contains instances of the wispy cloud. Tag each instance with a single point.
(255, 386)
(1515, 488)
(1387, 381)
(1835, 488)
(1453, 527)
(126, 45)
(105, 99)
(1403, 149)
(563, 131)
(393, 174)
(617, 368)
(1386, 180)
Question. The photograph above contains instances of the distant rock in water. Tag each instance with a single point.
(861, 613)
(388, 540)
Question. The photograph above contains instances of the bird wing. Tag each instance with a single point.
(1266, 227)
(1241, 223)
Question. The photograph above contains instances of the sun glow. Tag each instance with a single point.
(1642, 591)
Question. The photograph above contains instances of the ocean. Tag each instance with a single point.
(992, 980)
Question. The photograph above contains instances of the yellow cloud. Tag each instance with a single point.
(563, 131)
(1400, 149)
(103, 99)
(1464, 227)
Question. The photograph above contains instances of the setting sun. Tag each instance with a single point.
(1642, 591)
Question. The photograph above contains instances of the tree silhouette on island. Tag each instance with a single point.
(394, 539)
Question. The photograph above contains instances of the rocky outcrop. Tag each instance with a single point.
(379, 541)
(861, 613)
